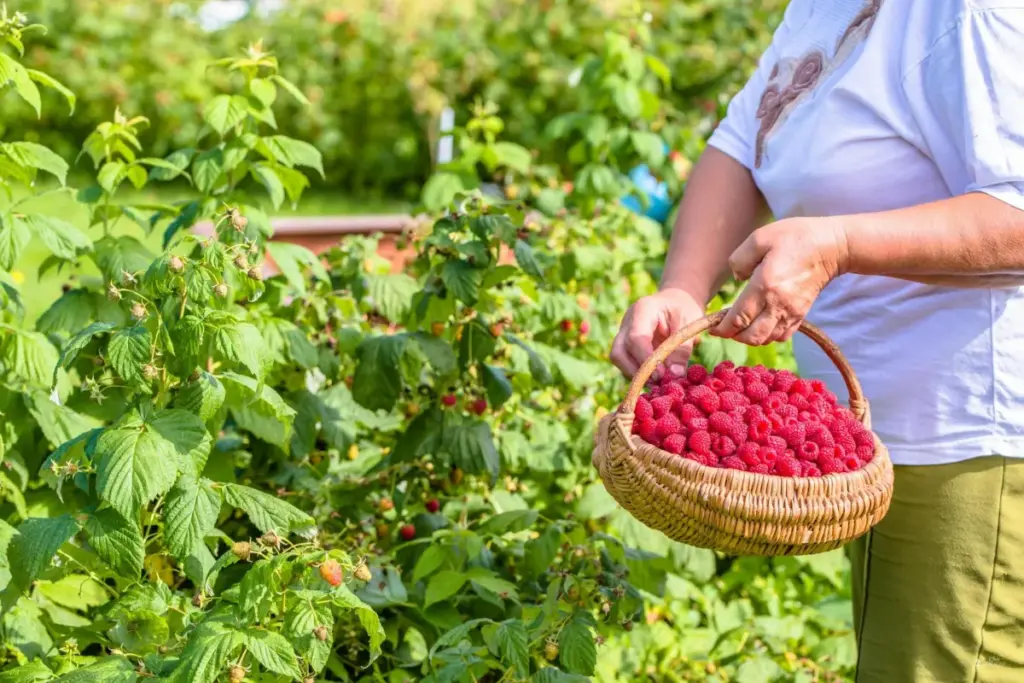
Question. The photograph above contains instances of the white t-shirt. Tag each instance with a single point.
(870, 105)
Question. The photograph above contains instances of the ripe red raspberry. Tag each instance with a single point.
(732, 463)
(820, 435)
(789, 412)
(407, 532)
(809, 451)
(674, 390)
(760, 428)
(705, 398)
(706, 459)
(674, 443)
(787, 467)
(699, 442)
(777, 444)
(844, 440)
(756, 390)
(738, 432)
(843, 415)
(794, 433)
(733, 382)
(801, 387)
(731, 400)
(723, 368)
(647, 430)
(696, 374)
(863, 437)
(767, 455)
(688, 411)
(716, 385)
(852, 463)
(330, 571)
(749, 453)
(760, 468)
(723, 446)
(817, 404)
(720, 423)
(449, 400)
(433, 505)
(661, 406)
(799, 402)
(643, 409)
(479, 406)
(773, 405)
(783, 380)
(807, 417)
(818, 387)
(667, 425)
(809, 469)
(830, 465)
(777, 422)
(865, 453)
(697, 424)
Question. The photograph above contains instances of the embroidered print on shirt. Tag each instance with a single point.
(791, 80)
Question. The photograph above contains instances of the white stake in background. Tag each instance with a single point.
(445, 146)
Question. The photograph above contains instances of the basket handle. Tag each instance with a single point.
(858, 403)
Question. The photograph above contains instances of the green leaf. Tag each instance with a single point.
(266, 512)
(263, 90)
(476, 344)
(300, 621)
(443, 586)
(369, 620)
(117, 541)
(271, 181)
(203, 396)
(242, 343)
(273, 652)
(377, 383)
(514, 646)
(190, 513)
(462, 280)
(552, 675)
(30, 672)
(171, 167)
(12, 71)
(59, 236)
(527, 260)
(116, 256)
(75, 591)
(497, 385)
(627, 99)
(470, 445)
(757, 670)
(208, 169)
(291, 152)
(440, 189)
(290, 258)
(128, 351)
(206, 654)
(52, 83)
(29, 356)
(291, 89)
(109, 669)
(514, 156)
(265, 413)
(111, 175)
(508, 521)
(14, 236)
(392, 294)
(77, 343)
(224, 112)
(438, 351)
(577, 650)
(69, 313)
(430, 561)
(37, 541)
(39, 157)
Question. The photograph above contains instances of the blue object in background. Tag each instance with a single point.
(659, 203)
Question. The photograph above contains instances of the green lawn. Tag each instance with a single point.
(39, 293)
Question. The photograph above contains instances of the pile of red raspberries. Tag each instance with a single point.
(753, 419)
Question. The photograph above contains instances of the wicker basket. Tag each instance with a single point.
(736, 512)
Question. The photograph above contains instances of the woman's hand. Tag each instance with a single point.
(648, 323)
(787, 264)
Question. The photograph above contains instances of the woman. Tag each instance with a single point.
(887, 138)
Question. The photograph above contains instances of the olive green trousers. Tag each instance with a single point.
(939, 583)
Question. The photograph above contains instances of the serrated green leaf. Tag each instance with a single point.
(116, 256)
(513, 646)
(77, 343)
(527, 260)
(37, 156)
(13, 72)
(110, 176)
(577, 649)
(438, 352)
(301, 619)
(30, 672)
(369, 620)
(271, 181)
(203, 396)
(462, 280)
(29, 357)
(259, 409)
(429, 562)
(63, 239)
(74, 591)
(273, 652)
(37, 541)
(207, 169)
(117, 541)
(69, 313)
(442, 586)
(128, 351)
(224, 112)
(190, 513)
(110, 669)
(377, 383)
(290, 258)
(48, 81)
(440, 189)
(207, 652)
(497, 385)
(392, 294)
(266, 512)
(14, 237)
(242, 344)
(291, 152)
(469, 445)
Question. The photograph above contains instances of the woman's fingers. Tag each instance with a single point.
(760, 332)
(745, 310)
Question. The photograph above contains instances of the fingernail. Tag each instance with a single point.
(677, 369)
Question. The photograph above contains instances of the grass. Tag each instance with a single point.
(39, 292)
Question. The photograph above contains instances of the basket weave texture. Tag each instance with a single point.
(736, 512)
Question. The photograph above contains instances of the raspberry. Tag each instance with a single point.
(479, 406)
(674, 443)
(818, 387)
(407, 532)
(794, 433)
(688, 411)
(661, 406)
(752, 411)
(705, 398)
(777, 422)
(800, 402)
(767, 455)
(674, 390)
(749, 453)
(756, 390)
(330, 571)
(777, 444)
(716, 385)
(643, 409)
(433, 505)
(723, 446)
(845, 441)
(730, 400)
(852, 463)
(863, 438)
(783, 380)
(865, 453)
(800, 388)
(830, 465)
(789, 412)
(818, 405)
(760, 468)
(760, 429)
(820, 435)
(809, 469)
(696, 374)
(733, 382)
(808, 418)
(449, 400)
(697, 424)
(720, 423)
(787, 467)
(843, 415)
(738, 431)
(668, 425)
(706, 459)
(647, 430)
(809, 451)
(723, 368)
(732, 463)
(699, 442)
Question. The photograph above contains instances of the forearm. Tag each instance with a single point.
(721, 207)
(970, 239)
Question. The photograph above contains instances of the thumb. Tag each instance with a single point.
(748, 256)
(678, 360)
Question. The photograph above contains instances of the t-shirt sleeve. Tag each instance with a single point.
(966, 99)
(736, 134)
